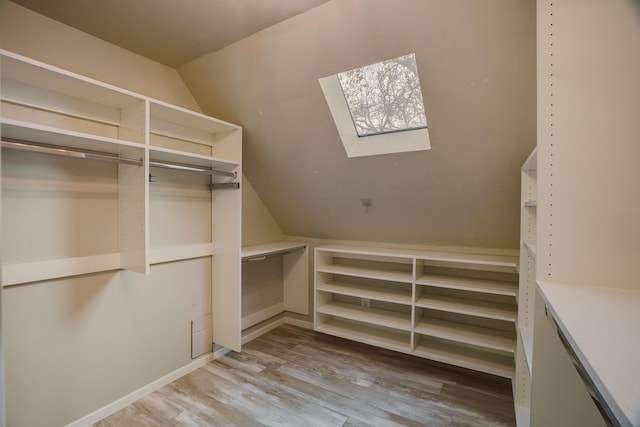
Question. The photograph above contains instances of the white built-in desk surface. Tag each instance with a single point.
(602, 325)
(258, 252)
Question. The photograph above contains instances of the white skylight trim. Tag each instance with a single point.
(371, 145)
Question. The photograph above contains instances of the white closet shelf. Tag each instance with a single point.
(270, 249)
(469, 307)
(369, 273)
(169, 155)
(179, 253)
(385, 338)
(467, 334)
(531, 164)
(531, 247)
(378, 293)
(530, 203)
(526, 335)
(503, 263)
(17, 68)
(465, 357)
(15, 129)
(33, 271)
(188, 119)
(387, 318)
(470, 285)
(602, 331)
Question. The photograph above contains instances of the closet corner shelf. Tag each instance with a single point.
(531, 164)
(602, 331)
(267, 250)
(526, 335)
(531, 247)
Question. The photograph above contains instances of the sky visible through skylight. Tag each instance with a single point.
(384, 97)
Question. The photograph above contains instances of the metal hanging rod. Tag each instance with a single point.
(190, 168)
(16, 144)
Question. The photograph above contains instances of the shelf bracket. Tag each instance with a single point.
(224, 186)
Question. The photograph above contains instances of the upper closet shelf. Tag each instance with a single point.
(169, 155)
(38, 78)
(29, 132)
(267, 250)
(163, 112)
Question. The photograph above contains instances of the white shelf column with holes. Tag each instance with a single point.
(585, 348)
(453, 308)
(526, 294)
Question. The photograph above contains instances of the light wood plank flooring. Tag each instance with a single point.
(296, 377)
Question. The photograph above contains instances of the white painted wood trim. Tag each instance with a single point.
(262, 315)
(271, 326)
(179, 253)
(116, 405)
(33, 271)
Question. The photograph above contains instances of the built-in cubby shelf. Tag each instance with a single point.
(451, 307)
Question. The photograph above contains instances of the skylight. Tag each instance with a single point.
(378, 109)
(384, 97)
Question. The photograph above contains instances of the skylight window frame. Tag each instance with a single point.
(370, 145)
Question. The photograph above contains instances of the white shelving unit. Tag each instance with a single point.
(585, 348)
(453, 308)
(526, 294)
(179, 215)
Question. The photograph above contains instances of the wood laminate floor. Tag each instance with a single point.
(296, 377)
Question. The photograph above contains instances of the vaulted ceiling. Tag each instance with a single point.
(477, 69)
(171, 32)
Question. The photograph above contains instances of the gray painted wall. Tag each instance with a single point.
(478, 73)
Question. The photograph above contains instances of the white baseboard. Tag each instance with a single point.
(116, 405)
(262, 315)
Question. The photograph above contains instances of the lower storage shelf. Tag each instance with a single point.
(467, 334)
(368, 334)
(450, 308)
(500, 364)
(376, 316)
(484, 309)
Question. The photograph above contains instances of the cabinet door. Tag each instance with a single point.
(559, 397)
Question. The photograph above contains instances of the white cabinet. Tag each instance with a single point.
(453, 308)
(96, 178)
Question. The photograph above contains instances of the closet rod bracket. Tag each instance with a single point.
(225, 185)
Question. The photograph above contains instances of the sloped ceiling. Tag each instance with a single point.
(171, 32)
(477, 69)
